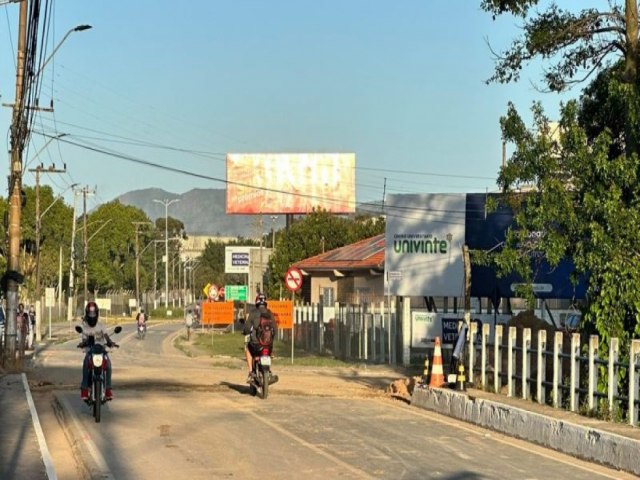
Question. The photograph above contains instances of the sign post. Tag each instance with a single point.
(293, 281)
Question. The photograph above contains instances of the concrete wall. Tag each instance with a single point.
(580, 441)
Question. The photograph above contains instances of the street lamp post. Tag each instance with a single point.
(166, 204)
(78, 28)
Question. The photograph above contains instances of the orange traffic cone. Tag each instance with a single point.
(437, 373)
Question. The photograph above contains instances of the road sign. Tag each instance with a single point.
(235, 292)
(50, 297)
(213, 292)
(283, 312)
(293, 279)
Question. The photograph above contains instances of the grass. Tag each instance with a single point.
(229, 344)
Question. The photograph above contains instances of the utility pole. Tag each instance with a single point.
(136, 225)
(39, 169)
(85, 240)
(166, 204)
(72, 293)
(18, 137)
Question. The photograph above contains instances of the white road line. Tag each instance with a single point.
(97, 457)
(44, 450)
(356, 471)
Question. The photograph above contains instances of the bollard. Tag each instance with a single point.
(425, 372)
(461, 379)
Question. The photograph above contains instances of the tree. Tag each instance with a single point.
(111, 250)
(576, 45)
(318, 232)
(583, 179)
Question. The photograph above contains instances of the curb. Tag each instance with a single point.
(84, 448)
(579, 441)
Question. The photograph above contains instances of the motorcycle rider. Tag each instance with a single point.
(141, 319)
(251, 344)
(91, 326)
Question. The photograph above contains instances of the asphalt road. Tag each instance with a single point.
(177, 417)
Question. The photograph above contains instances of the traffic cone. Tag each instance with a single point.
(437, 373)
(425, 372)
(461, 379)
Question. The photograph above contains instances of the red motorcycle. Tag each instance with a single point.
(262, 376)
(98, 358)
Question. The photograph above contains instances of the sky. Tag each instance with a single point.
(180, 84)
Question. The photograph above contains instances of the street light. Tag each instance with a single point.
(78, 28)
(166, 204)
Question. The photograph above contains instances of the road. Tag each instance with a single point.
(180, 417)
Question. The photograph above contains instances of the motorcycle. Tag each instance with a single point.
(98, 375)
(142, 330)
(262, 376)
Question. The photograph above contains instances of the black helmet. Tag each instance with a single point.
(261, 300)
(91, 313)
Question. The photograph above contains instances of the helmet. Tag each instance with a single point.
(261, 300)
(91, 313)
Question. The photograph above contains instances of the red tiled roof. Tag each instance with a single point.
(365, 254)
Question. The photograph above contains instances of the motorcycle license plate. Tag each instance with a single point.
(265, 360)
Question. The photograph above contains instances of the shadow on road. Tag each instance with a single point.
(244, 389)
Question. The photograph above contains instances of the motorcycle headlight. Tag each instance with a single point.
(97, 360)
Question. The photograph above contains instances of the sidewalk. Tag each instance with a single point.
(20, 448)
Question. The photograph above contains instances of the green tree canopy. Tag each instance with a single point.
(581, 178)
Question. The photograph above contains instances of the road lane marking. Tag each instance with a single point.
(44, 450)
(301, 441)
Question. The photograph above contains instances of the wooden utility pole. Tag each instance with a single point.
(18, 136)
(72, 289)
(39, 169)
(85, 240)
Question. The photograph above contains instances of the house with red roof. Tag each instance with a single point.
(350, 274)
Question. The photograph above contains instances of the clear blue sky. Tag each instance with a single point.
(400, 83)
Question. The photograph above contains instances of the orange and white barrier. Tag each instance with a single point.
(437, 372)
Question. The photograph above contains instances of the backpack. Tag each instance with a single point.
(265, 331)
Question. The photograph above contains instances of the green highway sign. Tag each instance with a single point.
(235, 292)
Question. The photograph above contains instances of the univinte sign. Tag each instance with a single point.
(424, 238)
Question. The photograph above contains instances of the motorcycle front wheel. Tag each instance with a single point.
(97, 400)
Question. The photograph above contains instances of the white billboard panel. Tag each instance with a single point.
(265, 183)
(424, 237)
(236, 259)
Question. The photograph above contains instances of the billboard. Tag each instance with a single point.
(424, 238)
(486, 231)
(236, 259)
(423, 250)
(271, 183)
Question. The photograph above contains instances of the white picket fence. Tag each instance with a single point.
(542, 354)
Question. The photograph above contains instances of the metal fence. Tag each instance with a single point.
(362, 332)
(562, 371)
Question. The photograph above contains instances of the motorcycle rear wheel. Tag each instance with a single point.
(264, 381)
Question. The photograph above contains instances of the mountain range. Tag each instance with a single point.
(203, 212)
